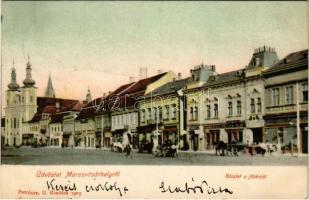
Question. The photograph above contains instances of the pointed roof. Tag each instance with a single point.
(88, 96)
(50, 89)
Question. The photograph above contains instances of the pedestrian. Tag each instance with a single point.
(128, 150)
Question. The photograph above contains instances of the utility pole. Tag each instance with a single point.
(157, 124)
(102, 128)
(298, 121)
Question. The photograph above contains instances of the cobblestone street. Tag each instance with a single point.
(66, 156)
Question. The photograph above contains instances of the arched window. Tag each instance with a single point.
(195, 113)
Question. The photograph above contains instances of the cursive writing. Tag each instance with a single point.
(107, 187)
(202, 187)
(51, 185)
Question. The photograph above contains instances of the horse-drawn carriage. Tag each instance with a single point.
(237, 148)
(166, 150)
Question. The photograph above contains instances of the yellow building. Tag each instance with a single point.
(162, 112)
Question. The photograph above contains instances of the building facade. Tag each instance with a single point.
(162, 114)
(125, 110)
(229, 107)
(20, 107)
(286, 99)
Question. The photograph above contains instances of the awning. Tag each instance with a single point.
(66, 133)
(146, 129)
(170, 128)
(27, 135)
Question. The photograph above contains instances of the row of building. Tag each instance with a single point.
(266, 101)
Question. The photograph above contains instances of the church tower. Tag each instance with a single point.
(20, 107)
(49, 92)
(88, 97)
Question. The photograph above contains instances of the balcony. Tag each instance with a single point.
(281, 108)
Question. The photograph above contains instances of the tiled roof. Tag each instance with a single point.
(225, 78)
(64, 104)
(170, 87)
(48, 105)
(120, 89)
(142, 84)
(87, 112)
(129, 97)
(291, 61)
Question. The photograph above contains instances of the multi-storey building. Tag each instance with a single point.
(230, 105)
(162, 113)
(124, 115)
(45, 127)
(194, 104)
(85, 127)
(68, 122)
(286, 102)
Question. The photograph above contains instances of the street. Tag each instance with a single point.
(67, 156)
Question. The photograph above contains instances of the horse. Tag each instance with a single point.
(221, 146)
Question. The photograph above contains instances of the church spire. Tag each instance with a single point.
(88, 96)
(50, 90)
(13, 84)
(28, 82)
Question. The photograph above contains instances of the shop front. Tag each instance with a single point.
(170, 134)
(106, 138)
(145, 137)
(234, 131)
(212, 135)
(282, 130)
(27, 139)
(65, 139)
(194, 137)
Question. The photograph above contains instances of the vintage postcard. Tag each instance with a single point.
(168, 100)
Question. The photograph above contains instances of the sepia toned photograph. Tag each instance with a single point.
(154, 83)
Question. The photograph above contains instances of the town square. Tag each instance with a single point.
(131, 87)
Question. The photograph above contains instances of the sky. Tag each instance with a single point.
(101, 44)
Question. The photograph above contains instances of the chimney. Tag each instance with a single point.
(160, 71)
(142, 72)
(213, 68)
(104, 95)
(179, 76)
(131, 79)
